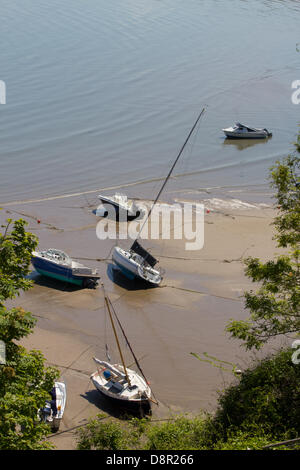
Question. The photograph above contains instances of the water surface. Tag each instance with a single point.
(105, 93)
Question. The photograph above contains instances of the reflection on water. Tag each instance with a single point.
(242, 144)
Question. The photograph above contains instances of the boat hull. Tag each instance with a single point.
(239, 131)
(250, 135)
(133, 406)
(61, 397)
(128, 399)
(55, 271)
(121, 211)
(130, 275)
(56, 405)
(130, 268)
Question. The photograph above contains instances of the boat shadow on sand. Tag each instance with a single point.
(116, 276)
(113, 409)
(104, 211)
(51, 283)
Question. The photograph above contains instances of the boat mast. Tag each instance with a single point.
(132, 352)
(127, 342)
(170, 172)
(117, 340)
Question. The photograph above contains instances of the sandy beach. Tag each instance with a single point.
(201, 291)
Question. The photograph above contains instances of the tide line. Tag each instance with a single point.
(92, 191)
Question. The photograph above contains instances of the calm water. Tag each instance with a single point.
(103, 93)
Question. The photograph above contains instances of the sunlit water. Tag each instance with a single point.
(104, 93)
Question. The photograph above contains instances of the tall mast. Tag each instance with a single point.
(171, 170)
(127, 342)
(132, 352)
(117, 340)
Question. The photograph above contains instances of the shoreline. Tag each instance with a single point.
(175, 184)
(200, 293)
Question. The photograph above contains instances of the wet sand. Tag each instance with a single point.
(201, 291)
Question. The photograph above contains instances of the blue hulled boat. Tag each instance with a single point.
(58, 265)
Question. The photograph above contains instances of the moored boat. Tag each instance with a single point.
(58, 265)
(130, 392)
(120, 384)
(137, 263)
(53, 411)
(240, 131)
(124, 208)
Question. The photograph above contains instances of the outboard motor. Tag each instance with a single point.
(46, 412)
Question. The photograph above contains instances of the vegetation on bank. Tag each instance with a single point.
(261, 408)
(274, 307)
(24, 380)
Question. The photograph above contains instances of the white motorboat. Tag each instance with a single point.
(120, 384)
(240, 131)
(137, 262)
(123, 206)
(58, 265)
(53, 411)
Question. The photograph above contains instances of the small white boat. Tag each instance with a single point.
(58, 265)
(122, 205)
(239, 131)
(137, 263)
(53, 411)
(118, 383)
(112, 382)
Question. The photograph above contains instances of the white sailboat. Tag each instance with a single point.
(138, 262)
(123, 386)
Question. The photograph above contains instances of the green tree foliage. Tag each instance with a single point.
(267, 397)
(274, 306)
(180, 433)
(24, 380)
(112, 435)
(16, 246)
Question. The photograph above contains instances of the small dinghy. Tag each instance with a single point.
(239, 131)
(118, 383)
(58, 265)
(53, 410)
(125, 209)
